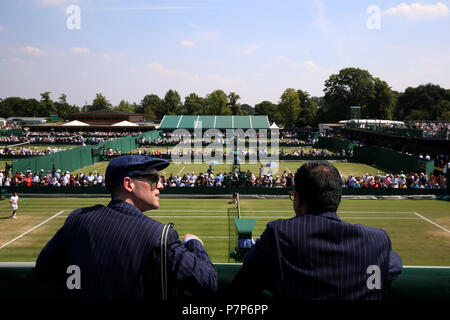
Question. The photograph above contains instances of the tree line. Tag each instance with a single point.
(295, 108)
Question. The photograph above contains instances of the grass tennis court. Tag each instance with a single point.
(419, 229)
(345, 168)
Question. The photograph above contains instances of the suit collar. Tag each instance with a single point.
(329, 215)
(124, 207)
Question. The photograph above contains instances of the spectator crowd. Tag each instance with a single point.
(208, 178)
(396, 181)
(28, 151)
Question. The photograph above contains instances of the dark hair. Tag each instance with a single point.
(319, 185)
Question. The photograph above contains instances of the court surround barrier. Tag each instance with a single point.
(11, 132)
(393, 160)
(99, 190)
(80, 157)
(415, 283)
(389, 159)
(335, 144)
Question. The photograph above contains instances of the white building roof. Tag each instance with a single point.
(125, 124)
(75, 123)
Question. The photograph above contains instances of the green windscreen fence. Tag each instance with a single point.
(77, 158)
(335, 144)
(392, 160)
(12, 132)
(151, 135)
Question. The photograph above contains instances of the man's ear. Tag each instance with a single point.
(301, 204)
(128, 184)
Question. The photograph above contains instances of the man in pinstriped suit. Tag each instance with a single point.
(116, 249)
(315, 255)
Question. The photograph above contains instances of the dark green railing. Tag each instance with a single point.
(415, 283)
(99, 190)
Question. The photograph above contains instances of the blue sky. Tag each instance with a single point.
(256, 48)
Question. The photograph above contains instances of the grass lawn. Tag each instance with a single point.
(285, 149)
(43, 147)
(419, 229)
(345, 168)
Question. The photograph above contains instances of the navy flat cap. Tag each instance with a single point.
(129, 166)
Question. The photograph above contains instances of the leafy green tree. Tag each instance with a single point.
(351, 87)
(320, 101)
(247, 109)
(63, 109)
(172, 103)
(269, 109)
(423, 101)
(234, 106)
(216, 103)
(47, 106)
(194, 104)
(10, 106)
(125, 106)
(99, 103)
(152, 107)
(308, 111)
(289, 107)
(442, 110)
(382, 103)
(15, 106)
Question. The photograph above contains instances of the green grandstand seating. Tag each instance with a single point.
(169, 122)
(260, 122)
(207, 121)
(188, 122)
(224, 122)
(214, 122)
(241, 122)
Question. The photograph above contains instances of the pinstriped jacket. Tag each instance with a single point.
(117, 249)
(315, 257)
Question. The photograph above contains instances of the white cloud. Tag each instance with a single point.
(57, 2)
(187, 43)
(204, 34)
(228, 83)
(312, 66)
(107, 56)
(81, 50)
(14, 60)
(247, 49)
(159, 68)
(417, 11)
(307, 65)
(181, 76)
(1, 28)
(148, 8)
(34, 51)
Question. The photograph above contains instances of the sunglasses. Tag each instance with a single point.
(291, 195)
(151, 178)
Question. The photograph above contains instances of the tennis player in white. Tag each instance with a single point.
(14, 201)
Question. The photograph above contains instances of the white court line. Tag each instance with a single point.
(40, 224)
(433, 223)
(180, 171)
(215, 237)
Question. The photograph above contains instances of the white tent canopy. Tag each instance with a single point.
(274, 126)
(125, 124)
(75, 123)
